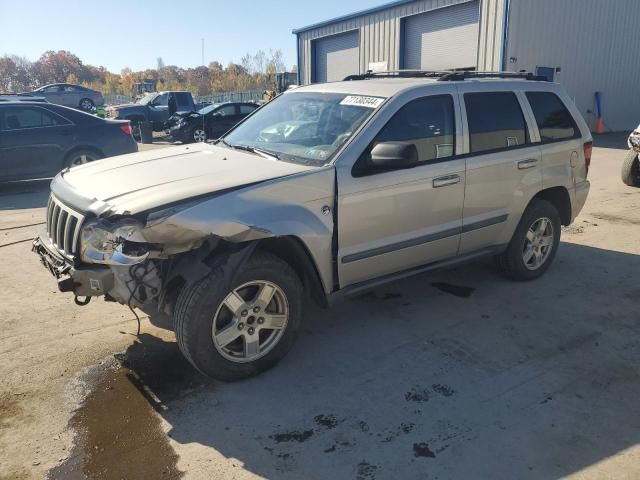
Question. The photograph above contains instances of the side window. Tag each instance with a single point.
(495, 121)
(553, 119)
(161, 100)
(70, 89)
(182, 100)
(246, 109)
(428, 123)
(28, 117)
(226, 111)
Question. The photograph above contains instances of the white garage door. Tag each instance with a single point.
(336, 57)
(443, 39)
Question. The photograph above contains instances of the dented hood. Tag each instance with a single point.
(145, 180)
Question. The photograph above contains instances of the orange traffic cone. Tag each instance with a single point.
(599, 125)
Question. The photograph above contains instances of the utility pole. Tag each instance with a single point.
(203, 51)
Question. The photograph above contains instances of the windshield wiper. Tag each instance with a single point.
(247, 148)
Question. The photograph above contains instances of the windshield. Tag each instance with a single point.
(208, 108)
(147, 98)
(304, 127)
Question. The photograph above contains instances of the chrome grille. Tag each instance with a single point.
(63, 226)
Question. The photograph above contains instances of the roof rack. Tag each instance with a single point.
(397, 74)
(445, 76)
(464, 75)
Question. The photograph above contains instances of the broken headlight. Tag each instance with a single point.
(119, 243)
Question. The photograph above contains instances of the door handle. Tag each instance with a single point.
(444, 181)
(529, 163)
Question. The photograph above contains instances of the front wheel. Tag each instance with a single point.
(631, 169)
(534, 244)
(199, 135)
(230, 330)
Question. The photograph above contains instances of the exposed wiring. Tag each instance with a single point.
(139, 283)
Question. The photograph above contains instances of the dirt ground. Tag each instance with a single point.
(457, 374)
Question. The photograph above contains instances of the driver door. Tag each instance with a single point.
(395, 220)
(159, 111)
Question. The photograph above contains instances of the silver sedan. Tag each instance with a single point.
(69, 95)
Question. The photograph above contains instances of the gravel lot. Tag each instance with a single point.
(458, 374)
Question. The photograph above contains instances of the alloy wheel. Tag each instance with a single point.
(250, 321)
(199, 135)
(538, 243)
(81, 159)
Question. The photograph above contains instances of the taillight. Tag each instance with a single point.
(126, 128)
(588, 148)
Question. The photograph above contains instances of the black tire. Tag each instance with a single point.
(86, 105)
(631, 169)
(197, 305)
(79, 157)
(511, 262)
(135, 130)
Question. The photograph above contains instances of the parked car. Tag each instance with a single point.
(152, 108)
(207, 123)
(69, 95)
(38, 139)
(385, 178)
(631, 164)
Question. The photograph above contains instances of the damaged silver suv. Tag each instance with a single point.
(326, 191)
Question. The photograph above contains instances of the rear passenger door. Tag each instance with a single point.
(502, 166)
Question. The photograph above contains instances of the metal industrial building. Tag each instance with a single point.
(586, 45)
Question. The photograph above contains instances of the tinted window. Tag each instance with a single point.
(29, 117)
(70, 89)
(226, 111)
(246, 109)
(182, 100)
(553, 119)
(495, 121)
(426, 122)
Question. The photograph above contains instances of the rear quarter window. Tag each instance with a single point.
(553, 119)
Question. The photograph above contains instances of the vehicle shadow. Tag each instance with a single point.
(616, 140)
(456, 374)
(23, 195)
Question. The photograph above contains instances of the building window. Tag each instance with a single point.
(495, 121)
(553, 119)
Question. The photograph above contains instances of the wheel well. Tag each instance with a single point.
(559, 198)
(295, 253)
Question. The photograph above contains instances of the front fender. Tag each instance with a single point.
(300, 206)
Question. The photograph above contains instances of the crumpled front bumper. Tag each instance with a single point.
(83, 280)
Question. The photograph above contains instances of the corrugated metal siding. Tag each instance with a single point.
(443, 39)
(594, 42)
(491, 35)
(379, 35)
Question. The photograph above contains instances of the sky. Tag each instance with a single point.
(118, 33)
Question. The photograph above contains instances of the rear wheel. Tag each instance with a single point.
(80, 157)
(534, 243)
(233, 331)
(631, 169)
(87, 105)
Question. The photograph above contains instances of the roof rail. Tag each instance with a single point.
(396, 74)
(463, 75)
(444, 76)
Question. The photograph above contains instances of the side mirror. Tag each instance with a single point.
(394, 156)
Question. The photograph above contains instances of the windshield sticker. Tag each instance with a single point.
(361, 101)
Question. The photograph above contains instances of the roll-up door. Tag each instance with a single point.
(336, 57)
(443, 39)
